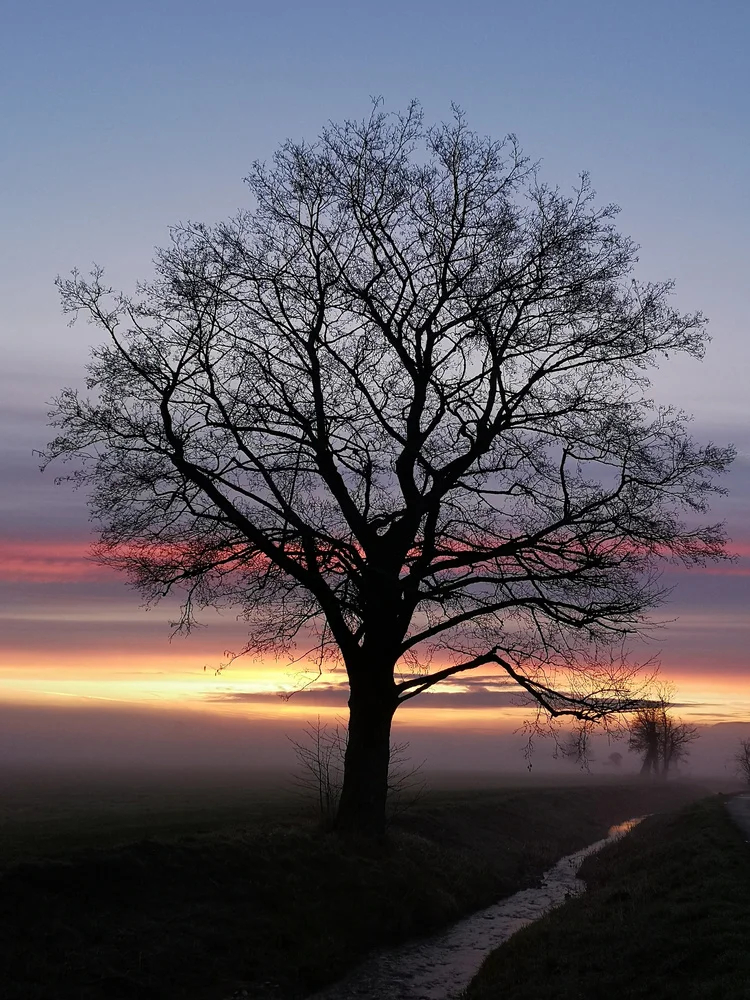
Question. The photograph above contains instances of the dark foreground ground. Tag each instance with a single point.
(192, 894)
(666, 916)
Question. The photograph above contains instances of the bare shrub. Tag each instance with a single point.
(320, 754)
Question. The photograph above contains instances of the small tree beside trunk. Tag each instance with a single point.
(321, 754)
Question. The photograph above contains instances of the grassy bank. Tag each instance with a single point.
(666, 916)
(270, 904)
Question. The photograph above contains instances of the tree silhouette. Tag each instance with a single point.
(741, 760)
(659, 737)
(397, 410)
(644, 738)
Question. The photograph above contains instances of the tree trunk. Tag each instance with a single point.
(651, 759)
(650, 764)
(365, 788)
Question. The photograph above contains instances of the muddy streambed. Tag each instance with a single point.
(440, 967)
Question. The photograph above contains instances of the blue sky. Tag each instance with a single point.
(120, 119)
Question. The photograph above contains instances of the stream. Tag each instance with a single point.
(442, 966)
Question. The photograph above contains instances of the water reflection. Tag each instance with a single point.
(440, 967)
(620, 829)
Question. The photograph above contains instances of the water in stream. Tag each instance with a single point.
(440, 967)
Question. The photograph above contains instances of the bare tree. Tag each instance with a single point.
(659, 737)
(575, 746)
(320, 757)
(741, 759)
(675, 743)
(644, 737)
(398, 409)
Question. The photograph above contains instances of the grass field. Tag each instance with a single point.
(666, 916)
(235, 887)
(51, 813)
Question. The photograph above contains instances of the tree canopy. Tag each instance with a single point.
(398, 410)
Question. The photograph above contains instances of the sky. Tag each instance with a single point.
(121, 119)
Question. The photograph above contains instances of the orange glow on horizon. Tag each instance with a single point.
(93, 644)
(263, 688)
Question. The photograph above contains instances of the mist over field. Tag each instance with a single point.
(116, 742)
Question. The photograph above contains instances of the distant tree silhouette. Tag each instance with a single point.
(644, 738)
(662, 740)
(615, 759)
(576, 746)
(397, 410)
(741, 760)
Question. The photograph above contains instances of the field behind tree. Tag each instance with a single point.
(140, 886)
